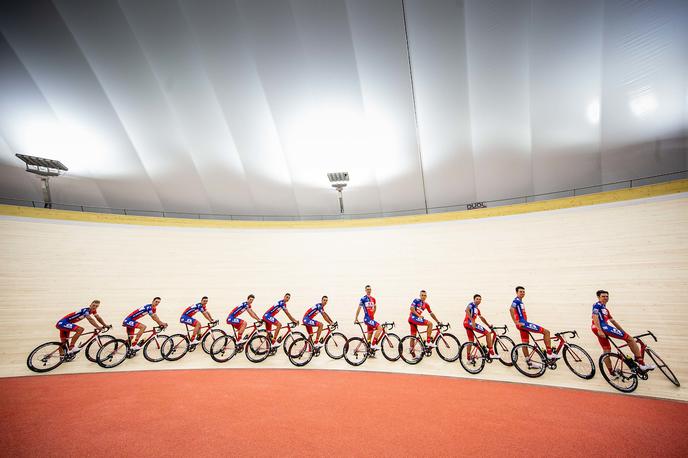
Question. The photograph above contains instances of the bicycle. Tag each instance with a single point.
(259, 347)
(225, 347)
(114, 352)
(474, 355)
(178, 345)
(302, 350)
(49, 355)
(358, 349)
(534, 363)
(413, 348)
(624, 369)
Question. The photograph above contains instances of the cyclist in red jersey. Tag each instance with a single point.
(369, 305)
(472, 326)
(236, 322)
(270, 320)
(132, 324)
(309, 320)
(67, 324)
(187, 318)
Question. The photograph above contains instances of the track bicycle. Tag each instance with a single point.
(413, 348)
(474, 355)
(358, 349)
(225, 347)
(302, 350)
(530, 360)
(178, 345)
(49, 355)
(114, 352)
(259, 347)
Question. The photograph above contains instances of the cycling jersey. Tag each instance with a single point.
(602, 313)
(520, 309)
(419, 307)
(473, 314)
(368, 304)
(76, 316)
(193, 309)
(130, 320)
(275, 309)
(312, 312)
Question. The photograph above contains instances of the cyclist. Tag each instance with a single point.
(415, 319)
(187, 318)
(269, 318)
(236, 322)
(518, 315)
(131, 323)
(309, 321)
(67, 324)
(603, 331)
(369, 305)
(472, 326)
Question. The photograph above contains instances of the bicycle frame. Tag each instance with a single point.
(642, 344)
(81, 343)
(247, 334)
(201, 333)
(154, 332)
(385, 326)
(479, 336)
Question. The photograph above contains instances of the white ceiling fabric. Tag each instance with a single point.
(242, 107)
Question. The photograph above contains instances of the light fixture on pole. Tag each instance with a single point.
(338, 180)
(44, 168)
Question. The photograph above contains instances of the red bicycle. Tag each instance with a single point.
(259, 347)
(414, 348)
(474, 355)
(178, 345)
(225, 347)
(358, 349)
(49, 355)
(302, 350)
(114, 352)
(530, 360)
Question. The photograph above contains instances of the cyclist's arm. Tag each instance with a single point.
(414, 312)
(485, 321)
(253, 314)
(514, 316)
(93, 322)
(358, 310)
(327, 317)
(207, 316)
(289, 315)
(434, 317)
(97, 317)
(158, 320)
(596, 320)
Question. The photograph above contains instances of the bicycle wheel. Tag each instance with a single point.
(412, 350)
(448, 347)
(472, 358)
(334, 345)
(618, 373)
(175, 347)
(46, 357)
(112, 354)
(300, 352)
(152, 349)
(579, 361)
(659, 362)
(223, 349)
(209, 338)
(390, 347)
(258, 348)
(355, 351)
(291, 337)
(502, 348)
(532, 365)
(95, 345)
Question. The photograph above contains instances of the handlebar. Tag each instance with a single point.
(573, 333)
(159, 328)
(105, 328)
(292, 324)
(443, 326)
(333, 326)
(258, 323)
(212, 324)
(388, 325)
(648, 333)
(504, 329)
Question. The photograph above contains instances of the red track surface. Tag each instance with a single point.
(319, 413)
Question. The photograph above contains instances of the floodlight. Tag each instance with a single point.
(338, 180)
(45, 168)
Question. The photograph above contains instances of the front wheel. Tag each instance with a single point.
(390, 347)
(618, 373)
(528, 360)
(502, 347)
(300, 352)
(152, 350)
(659, 362)
(334, 345)
(258, 348)
(472, 357)
(95, 345)
(412, 350)
(223, 349)
(355, 351)
(210, 338)
(112, 354)
(46, 357)
(290, 338)
(579, 361)
(175, 347)
(448, 347)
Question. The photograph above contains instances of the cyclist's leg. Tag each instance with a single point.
(78, 330)
(132, 326)
(242, 328)
(191, 322)
(611, 331)
(278, 326)
(488, 335)
(536, 328)
(429, 326)
(65, 329)
(414, 331)
(606, 347)
(525, 337)
(320, 328)
(309, 327)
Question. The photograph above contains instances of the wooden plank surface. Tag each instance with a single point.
(638, 250)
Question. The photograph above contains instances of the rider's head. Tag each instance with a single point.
(423, 295)
(156, 301)
(250, 298)
(287, 297)
(520, 292)
(368, 290)
(94, 305)
(603, 296)
(204, 300)
(323, 300)
(477, 298)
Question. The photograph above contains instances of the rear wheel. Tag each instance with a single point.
(448, 347)
(46, 357)
(390, 347)
(532, 363)
(223, 349)
(112, 354)
(502, 347)
(290, 338)
(95, 345)
(152, 350)
(579, 361)
(175, 347)
(618, 373)
(472, 358)
(659, 362)
(210, 338)
(258, 348)
(334, 345)
(300, 352)
(355, 351)
(412, 350)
